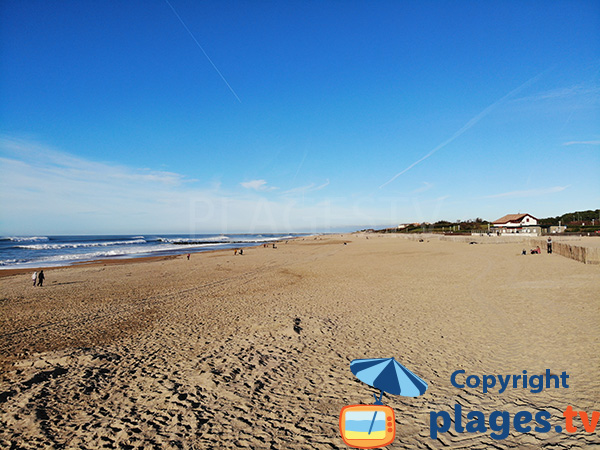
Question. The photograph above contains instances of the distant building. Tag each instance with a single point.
(554, 229)
(580, 223)
(517, 223)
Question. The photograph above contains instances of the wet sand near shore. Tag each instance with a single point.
(254, 351)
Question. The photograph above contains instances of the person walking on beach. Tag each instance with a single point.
(41, 278)
(549, 244)
(34, 277)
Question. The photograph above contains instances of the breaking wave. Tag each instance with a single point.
(24, 239)
(79, 245)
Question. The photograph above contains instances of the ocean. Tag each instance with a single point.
(47, 251)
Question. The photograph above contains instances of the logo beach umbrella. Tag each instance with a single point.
(387, 375)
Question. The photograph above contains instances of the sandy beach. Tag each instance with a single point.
(254, 351)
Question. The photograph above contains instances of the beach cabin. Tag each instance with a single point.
(517, 223)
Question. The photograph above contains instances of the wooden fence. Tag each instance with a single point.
(581, 253)
(586, 255)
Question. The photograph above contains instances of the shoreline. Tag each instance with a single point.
(591, 244)
(98, 262)
(129, 259)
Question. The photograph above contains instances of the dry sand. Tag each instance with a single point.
(208, 353)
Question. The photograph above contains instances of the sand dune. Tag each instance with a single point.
(254, 351)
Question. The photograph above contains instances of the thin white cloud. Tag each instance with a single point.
(529, 193)
(51, 192)
(470, 124)
(562, 93)
(257, 185)
(202, 49)
(426, 186)
(51, 162)
(324, 185)
(582, 143)
(299, 189)
(312, 187)
(59, 193)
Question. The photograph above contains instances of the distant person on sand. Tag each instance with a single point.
(241, 251)
(549, 244)
(34, 277)
(188, 256)
(41, 278)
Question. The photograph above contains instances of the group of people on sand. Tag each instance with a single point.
(38, 278)
(538, 251)
(240, 251)
(534, 251)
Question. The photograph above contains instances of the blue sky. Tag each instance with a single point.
(221, 116)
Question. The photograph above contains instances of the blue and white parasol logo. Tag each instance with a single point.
(373, 426)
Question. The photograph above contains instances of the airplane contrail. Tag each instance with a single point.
(467, 126)
(200, 47)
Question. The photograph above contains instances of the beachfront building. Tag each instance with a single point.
(517, 223)
(556, 229)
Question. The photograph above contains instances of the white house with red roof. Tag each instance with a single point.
(517, 223)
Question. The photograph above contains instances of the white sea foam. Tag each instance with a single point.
(258, 239)
(79, 245)
(60, 260)
(7, 262)
(24, 238)
(216, 239)
(42, 251)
